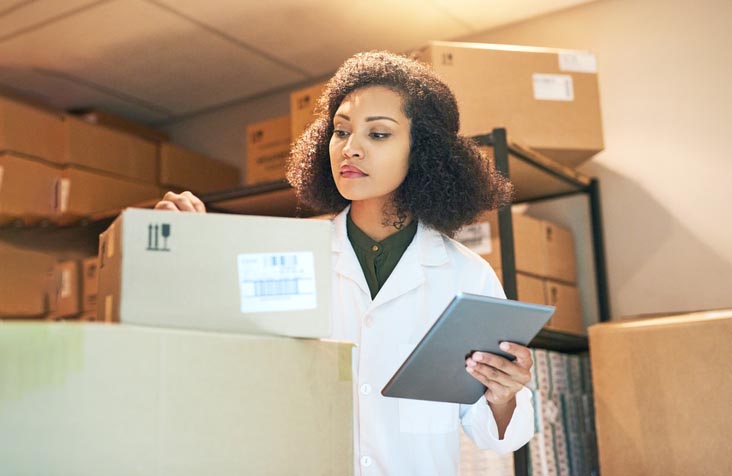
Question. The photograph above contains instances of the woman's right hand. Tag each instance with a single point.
(181, 202)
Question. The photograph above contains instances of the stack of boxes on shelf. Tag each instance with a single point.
(546, 271)
(63, 168)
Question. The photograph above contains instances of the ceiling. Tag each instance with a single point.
(159, 61)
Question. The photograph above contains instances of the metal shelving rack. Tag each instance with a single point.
(538, 178)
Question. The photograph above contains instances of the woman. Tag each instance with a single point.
(384, 153)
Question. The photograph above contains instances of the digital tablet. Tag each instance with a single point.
(435, 370)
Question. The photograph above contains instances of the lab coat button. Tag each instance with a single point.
(368, 321)
(366, 461)
(365, 389)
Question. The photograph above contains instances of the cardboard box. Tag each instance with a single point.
(31, 130)
(27, 189)
(302, 108)
(568, 314)
(68, 289)
(89, 283)
(529, 288)
(268, 147)
(109, 150)
(88, 399)
(182, 169)
(546, 98)
(82, 193)
(217, 272)
(541, 248)
(662, 391)
(112, 121)
(27, 285)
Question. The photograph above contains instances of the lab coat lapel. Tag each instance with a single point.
(346, 262)
(427, 249)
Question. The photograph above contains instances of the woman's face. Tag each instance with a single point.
(369, 149)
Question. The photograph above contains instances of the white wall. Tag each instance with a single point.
(665, 68)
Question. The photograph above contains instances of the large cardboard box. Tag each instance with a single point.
(112, 121)
(110, 150)
(27, 189)
(89, 283)
(548, 99)
(662, 392)
(217, 272)
(268, 147)
(302, 108)
(561, 264)
(31, 130)
(27, 285)
(182, 169)
(88, 399)
(82, 193)
(530, 289)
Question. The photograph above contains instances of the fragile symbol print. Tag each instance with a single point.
(154, 235)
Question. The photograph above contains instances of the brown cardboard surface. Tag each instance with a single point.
(302, 108)
(31, 131)
(106, 119)
(560, 259)
(109, 150)
(661, 390)
(26, 282)
(68, 287)
(109, 277)
(82, 192)
(495, 87)
(568, 315)
(89, 283)
(530, 288)
(27, 189)
(529, 247)
(182, 169)
(268, 147)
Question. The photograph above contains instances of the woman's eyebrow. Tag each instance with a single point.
(376, 118)
(343, 116)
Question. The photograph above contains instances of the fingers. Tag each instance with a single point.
(185, 202)
(522, 353)
(490, 367)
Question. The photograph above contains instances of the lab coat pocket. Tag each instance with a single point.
(418, 416)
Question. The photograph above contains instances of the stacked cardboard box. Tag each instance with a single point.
(87, 399)
(661, 394)
(27, 283)
(545, 264)
(548, 99)
(564, 443)
(182, 169)
(302, 108)
(268, 147)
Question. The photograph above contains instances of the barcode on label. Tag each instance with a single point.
(276, 281)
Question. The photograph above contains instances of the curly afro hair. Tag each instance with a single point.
(448, 183)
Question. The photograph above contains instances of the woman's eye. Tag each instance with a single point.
(380, 135)
(340, 133)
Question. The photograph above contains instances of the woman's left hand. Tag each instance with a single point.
(503, 378)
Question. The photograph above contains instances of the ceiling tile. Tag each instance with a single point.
(146, 54)
(482, 15)
(18, 16)
(317, 35)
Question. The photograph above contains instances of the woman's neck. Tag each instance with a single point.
(368, 216)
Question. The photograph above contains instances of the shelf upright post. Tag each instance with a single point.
(598, 245)
(508, 263)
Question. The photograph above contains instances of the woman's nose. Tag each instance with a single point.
(352, 148)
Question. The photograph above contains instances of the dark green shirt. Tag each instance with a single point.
(379, 258)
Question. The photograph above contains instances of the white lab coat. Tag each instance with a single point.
(409, 437)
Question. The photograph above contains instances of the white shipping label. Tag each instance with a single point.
(272, 282)
(63, 194)
(581, 62)
(65, 283)
(477, 237)
(553, 87)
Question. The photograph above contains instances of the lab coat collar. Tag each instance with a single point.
(427, 249)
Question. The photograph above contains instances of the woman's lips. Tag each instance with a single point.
(349, 171)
